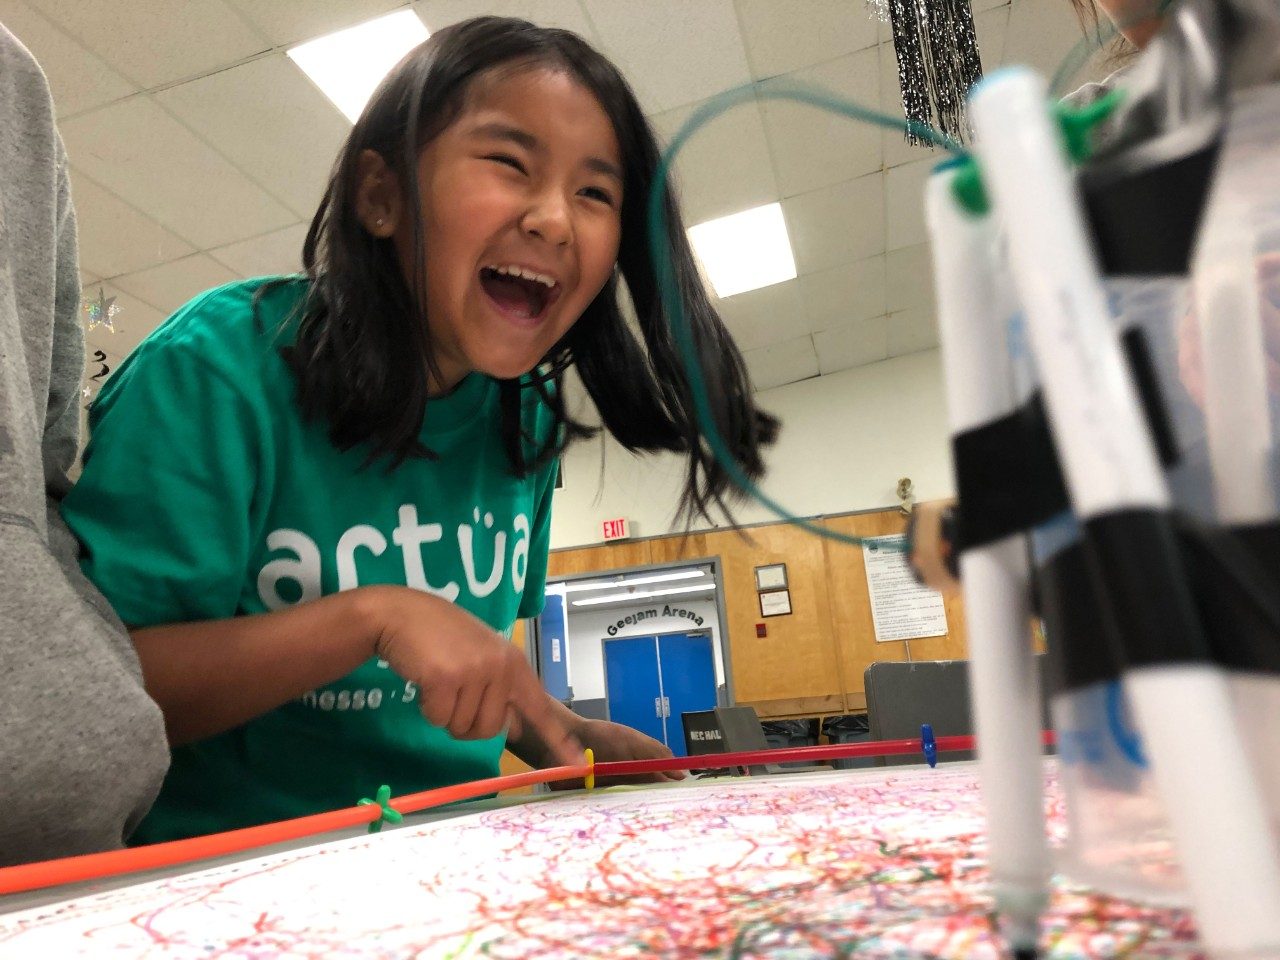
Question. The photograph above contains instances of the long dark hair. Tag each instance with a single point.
(1120, 50)
(363, 347)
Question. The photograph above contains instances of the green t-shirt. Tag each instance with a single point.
(205, 495)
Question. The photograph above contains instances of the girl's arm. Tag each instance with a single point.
(211, 676)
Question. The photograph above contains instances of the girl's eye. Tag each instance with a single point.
(595, 193)
(507, 160)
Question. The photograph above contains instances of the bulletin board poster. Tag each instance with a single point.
(900, 607)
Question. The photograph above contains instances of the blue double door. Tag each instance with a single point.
(651, 681)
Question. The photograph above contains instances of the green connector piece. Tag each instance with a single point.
(1078, 123)
(382, 799)
(967, 187)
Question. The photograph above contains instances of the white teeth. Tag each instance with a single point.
(527, 274)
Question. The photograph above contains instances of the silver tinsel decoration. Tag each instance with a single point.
(100, 312)
(938, 61)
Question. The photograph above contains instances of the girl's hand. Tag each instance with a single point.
(930, 549)
(613, 741)
(473, 682)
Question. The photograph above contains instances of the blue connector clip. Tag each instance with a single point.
(928, 744)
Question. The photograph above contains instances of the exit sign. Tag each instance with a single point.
(616, 529)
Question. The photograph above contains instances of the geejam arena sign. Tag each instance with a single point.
(640, 616)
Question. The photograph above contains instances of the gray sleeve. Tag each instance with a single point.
(82, 748)
(66, 369)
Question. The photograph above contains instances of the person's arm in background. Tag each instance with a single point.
(75, 719)
(931, 547)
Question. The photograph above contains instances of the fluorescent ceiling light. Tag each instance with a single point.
(635, 581)
(643, 595)
(745, 251)
(348, 65)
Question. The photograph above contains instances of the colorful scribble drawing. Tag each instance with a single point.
(873, 864)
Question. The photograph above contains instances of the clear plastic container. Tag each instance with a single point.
(1119, 839)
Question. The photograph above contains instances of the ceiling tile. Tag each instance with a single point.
(114, 237)
(1041, 34)
(904, 202)
(79, 80)
(135, 321)
(852, 291)
(268, 119)
(781, 363)
(838, 224)
(897, 150)
(912, 330)
(663, 48)
(565, 14)
(277, 252)
(147, 158)
(293, 21)
(154, 42)
(170, 285)
(765, 316)
(725, 166)
(910, 278)
(813, 148)
(787, 35)
(885, 31)
(992, 26)
(853, 344)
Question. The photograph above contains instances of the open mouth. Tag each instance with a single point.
(521, 294)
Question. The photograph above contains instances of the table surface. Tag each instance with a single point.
(888, 861)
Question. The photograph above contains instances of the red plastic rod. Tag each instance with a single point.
(95, 866)
(412, 802)
(835, 751)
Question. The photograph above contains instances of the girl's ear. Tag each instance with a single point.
(379, 202)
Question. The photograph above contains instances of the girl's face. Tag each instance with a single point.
(521, 211)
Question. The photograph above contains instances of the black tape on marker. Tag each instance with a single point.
(1106, 609)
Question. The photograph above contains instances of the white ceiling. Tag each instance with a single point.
(198, 151)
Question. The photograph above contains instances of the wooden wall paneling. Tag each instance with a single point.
(609, 556)
(679, 547)
(851, 606)
(812, 660)
(797, 659)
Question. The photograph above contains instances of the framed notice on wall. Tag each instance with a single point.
(775, 603)
(772, 576)
(901, 608)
